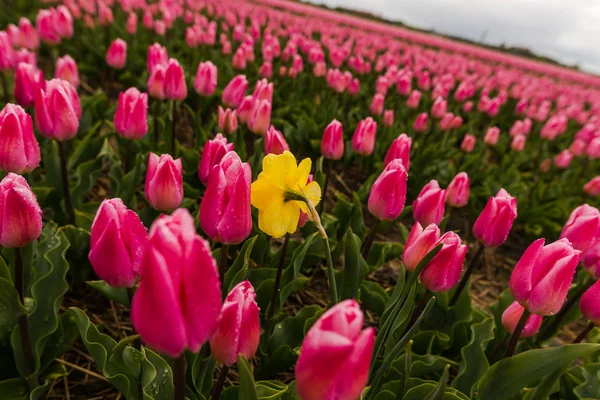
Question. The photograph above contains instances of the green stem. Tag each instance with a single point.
(467, 275)
(327, 174)
(216, 393)
(223, 266)
(583, 334)
(330, 272)
(369, 239)
(4, 87)
(65, 182)
(174, 119)
(179, 377)
(514, 339)
(24, 320)
(155, 114)
(276, 288)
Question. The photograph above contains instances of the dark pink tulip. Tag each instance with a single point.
(492, 135)
(388, 194)
(20, 214)
(225, 208)
(456, 122)
(363, 140)
(335, 356)
(132, 22)
(582, 227)
(332, 144)
(28, 80)
(377, 104)
(164, 182)
(25, 56)
(275, 142)
(512, 315)
(177, 303)
(157, 55)
(45, 27)
(593, 148)
(577, 147)
(468, 143)
(446, 122)
(429, 206)
(156, 82)
(214, 150)
(354, 86)
(457, 192)
(443, 272)
(228, 121)
(233, 94)
(175, 86)
(261, 117)
(131, 117)
(117, 242)
(591, 259)
(413, 100)
(420, 242)
(245, 109)
(116, 55)
(57, 110)
(399, 150)
(518, 143)
(14, 35)
(238, 328)
(590, 303)
(7, 54)
(468, 106)
(263, 90)
(29, 34)
(19, 150)
(266, 70)
(206, 79)
(563, 159)
(63, 22)
(438, 110)
(404, 84)
(592, 188)
(66, 69)
(421, 121)
(495, 221)
(541, 279)
(516, 129)
(388, 118)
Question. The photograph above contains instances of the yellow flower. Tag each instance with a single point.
(277, 215)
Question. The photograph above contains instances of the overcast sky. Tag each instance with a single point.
(566, 30)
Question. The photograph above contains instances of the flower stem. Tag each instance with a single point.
(330, 272)
(174, 119)
(498, 346)
(325, 184)
(4, 87)
(137, 343)
(583, 334)
(65, 182)
(276, 288)
(24, 320)
(179, 377)
(216, 393)
(514, 339)
(127, 160)
(369, 239)
(223, 266)
(467, 275)
(155, 138)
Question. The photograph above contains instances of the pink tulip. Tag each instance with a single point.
(582, 227)
(28, 81)
(590, 303)
(117, 242)
(213, 152)
(492, 135)
(495, 221)
(14, 35)
(438, 110)
(66, 69)
(443, 272)
(399, 150)
(206, 79)
(275, 142)
(175, 86)
(156, 82)
(266, 70)
(178, 301)
(388, 118)
(263, 91)
(261, 117)
(377, 104)
(233, 93)
(63, 22)
(541, 279)
(518, 143)
(46, 28)
(245, 109)
(421, 121)
(563, 159)
(29, 34)
(457, 193)
(429, 206)
(238, 328)
(19, 150)
(336, 355)
(592, 188)
(116, 55)
(25, 56)
(468, 106)
(413, 100)
(593, 148)
(228, 121)
(20, 214)
(57, 110)
(132, 22)
(468, 143)
(164, 182)
(577, 147)
(157, 55)
(363, 140)
(131, 117)
(332, 144)
(388, 194)
(446, 122)
(512, 315)
(403, 84)
(420, 242)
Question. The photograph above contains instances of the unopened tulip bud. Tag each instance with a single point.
(399, 150)
(228, 121)
(421, 121)
(233, 94)
(591, 259)
(363, 140)
(28, 81)
(518, 143)
(45, 26)
(577, 147)
(116, 56)
(214, 150)
(443, 272)
(592, 188)
(563, 159)
(413, 100)
(57, 110)
(512, 315)
(175, 85)
(495, 221)
(66, 69)
(388, 117)
(275, 142)
(593, 148)
(261, 117)
(429, 206)
(388, 194)
(206, 79)
(245, 109)
(468, 106)
(156, 82)
(468, 143)
(20, 214)
(583, 227)
(457, 193)
(420, 242)
(157, 55)
(131, 117)
(263, 90)
(164, 182)
(492, 135)
(332, 144)
(439, 108)
(19, 150)
(590, 303)
(29, 34)
(377, 104)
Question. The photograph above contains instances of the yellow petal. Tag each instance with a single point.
(270, 221)
(278, 167)
(263, 192)
(291, 214)
(313, 192)
(301, 175)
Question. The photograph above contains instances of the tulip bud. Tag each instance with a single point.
(19, 150)
(25, 56)
(28, 80)
(493, 224)
(413, 100)
(266, 70)
(541, 279)
(582, 227)
(275, 142)
(420, 124)
(175, 86)
(438, 110)
(443, 271)
(363, 140)
(593, 148)
(131, 120)
(399, 150)
(377, 104)
(577, 147)
(45, 27)
(332, 144)
(117, 242)
(429, 206)
(592, 188)
(468, 143)
(446, 122)
(228, 121)
(225, 208)
(590, 303)
(116, 56)
(57, 110)
(388, 194)
(20, 214)
(518, 143)
(178, 301)
(63, 22)
(233, 94)
(563, 159)
(132, 21)
(336, 355)
(238, 327)
(263, 91)
(29, 34)
(214, 150)
(420, 242)
(157, 55)
(468, 106)
(156, 82)
(492, 135)
(164, 182)
(512, 315)
(388, 117)
(261, 117)
(66, 69)
(206, 79)
(245, 109)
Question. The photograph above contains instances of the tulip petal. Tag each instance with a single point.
(110, 258)
(224, 342)
(520, 279)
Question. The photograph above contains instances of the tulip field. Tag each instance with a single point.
(263, 199)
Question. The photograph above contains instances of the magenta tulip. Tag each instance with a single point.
(57, 110)
(228, 121)
(388, 194)
(19, 150)
(420, 242)
(442, 273)
(233, 93)
(512, 315)
(591, 259)
(206, 79)
(261, 117)
(164, 182)
(212, 153)
(332, 144)
(583, 227)
(66, 69)
(495, 221)
(363, 140)
(468, 143)
(131, 117)
(399, 150)
(457, 192)
(429, 206)
(20, 214)
(590, 303)
(420, 124)
(28, 81)
(175, 86)
(592, 187)
(275, 142)
(116, 55)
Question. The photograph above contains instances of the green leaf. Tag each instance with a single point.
(10, 309)
(247, 385)
(270, 390)
(440, 389)
(548, 385)
(355, 268)
(373, 297)
(14, 389)
(238, 271)
(590, 387)
(157, 377)
(474, 362)
(118, 295)
(508, 377)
